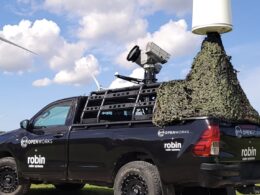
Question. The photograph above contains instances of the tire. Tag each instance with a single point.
(9, 184)
(69, 186)
(138, 177)
(249, 189)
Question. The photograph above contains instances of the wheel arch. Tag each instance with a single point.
(130, 157)
(139, 176)
(4, 154)
(8, 160)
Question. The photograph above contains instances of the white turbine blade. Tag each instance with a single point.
(96, 81)
(7, 41)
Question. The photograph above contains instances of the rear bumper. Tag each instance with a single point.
(219, 175)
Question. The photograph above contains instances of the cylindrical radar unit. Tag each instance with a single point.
(211, 16)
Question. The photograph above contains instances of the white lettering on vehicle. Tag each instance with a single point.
(36, 161)
(245, 131)
(162, 132)
(25, 141)
(172, 146)
(248, 153)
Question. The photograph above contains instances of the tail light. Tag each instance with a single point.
(208, 145)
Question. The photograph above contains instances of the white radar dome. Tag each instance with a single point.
(211, 16)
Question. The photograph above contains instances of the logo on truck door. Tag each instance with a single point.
(238, 131)
(173, 146)
(36, 161)
(25, 141)
(162, 132)
(248, 153)
(246, 131)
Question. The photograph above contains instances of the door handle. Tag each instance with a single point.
(58, 135)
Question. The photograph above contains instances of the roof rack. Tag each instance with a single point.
(124, 104)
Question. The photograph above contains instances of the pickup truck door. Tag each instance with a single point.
(45, 146)
(90, 151)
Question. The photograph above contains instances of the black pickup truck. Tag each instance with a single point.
(108, 139)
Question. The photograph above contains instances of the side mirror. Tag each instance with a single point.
(25, 124)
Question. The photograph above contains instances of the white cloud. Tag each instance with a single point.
(13, 59)
(43, 37)
(119, 83)
(116, 26)
(115, 23)
(174, 37)
(66, 55)
(40, 36)
(80, 74)
(178, 7)
(111, 24)
(99, 20)
(81, 7)
(42, 82)
(114, 20)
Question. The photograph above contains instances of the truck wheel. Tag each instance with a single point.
(9, 184)
(248, 189)
(138, 178)
(70, 186)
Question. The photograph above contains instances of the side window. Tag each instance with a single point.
(53, 116)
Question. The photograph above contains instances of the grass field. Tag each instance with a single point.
(50, 190)
(88, 190)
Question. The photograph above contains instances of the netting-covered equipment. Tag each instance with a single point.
(210, 89)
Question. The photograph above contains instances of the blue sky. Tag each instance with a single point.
(76, 38)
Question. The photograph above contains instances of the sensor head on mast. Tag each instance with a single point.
(150, 60)
(152, 55)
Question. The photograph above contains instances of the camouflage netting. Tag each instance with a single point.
(210, 89)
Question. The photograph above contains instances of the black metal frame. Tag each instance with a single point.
(124, 100)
